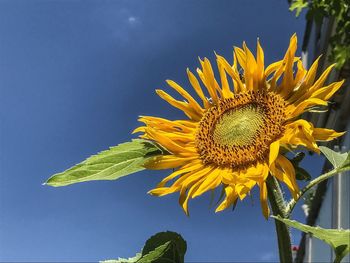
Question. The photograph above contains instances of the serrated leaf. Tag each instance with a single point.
(338, 160)
(338, 239)
(123, 260)
(174, 251)
(161, 254)
(163, 247)
(112, 164)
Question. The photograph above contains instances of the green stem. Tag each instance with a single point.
(279, 208)
(312, 183)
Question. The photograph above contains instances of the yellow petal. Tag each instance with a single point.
(228, 176)
(290, 172)
(294, 111)
(285, 66)
(300, 132)
(260, 65)
(184, 203)
(185, 107)
(212, 181)
(255, 172)
(321, 134)
(273, 67)
(311, 74)
(274, 150)
(231, 197)
(169, 144)
(193, 176)
(208, 79)
(167, 162)
(263, 199)
(238, 85)
(327, 92)
(139, 129)
(282, 176)
(240, 54)
(186, 95)
(243, 189)
(210, 90)
(276, 65)
(191, 167)
(185, 127)
(226, 92)
(319, 83)
(163, 191)
(196, 86)
(250, 77)
(288, 84)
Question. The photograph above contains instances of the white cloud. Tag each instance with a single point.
(122, 24)
(132, 19)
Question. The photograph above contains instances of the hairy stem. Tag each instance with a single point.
(312, 183)
(278, 206)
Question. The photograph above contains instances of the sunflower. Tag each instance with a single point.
(237, 134)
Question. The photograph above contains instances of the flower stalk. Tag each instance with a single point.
(278, 207)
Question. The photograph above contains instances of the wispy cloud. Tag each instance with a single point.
(132, 20)
(122, 23)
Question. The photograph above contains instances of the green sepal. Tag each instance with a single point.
(298, 158)
(112, 164)
(301, 174)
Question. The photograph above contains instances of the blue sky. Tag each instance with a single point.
(74, 76)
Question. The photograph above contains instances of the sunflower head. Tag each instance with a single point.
(236, 126)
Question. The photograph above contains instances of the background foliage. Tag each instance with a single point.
(340, 11)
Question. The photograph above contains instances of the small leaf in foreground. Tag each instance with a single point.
(112, 164)
(338, 239)
(177, 247)
(123, 260)
(338, 160)
(162, 247)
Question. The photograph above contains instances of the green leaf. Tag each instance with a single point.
(112, 164)
(174, 251)
(123, 260)
(337, 239)
(161, 254)
(161, 248)
(299, 5)
(338, 160)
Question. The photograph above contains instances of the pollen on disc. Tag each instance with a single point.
(238, 127)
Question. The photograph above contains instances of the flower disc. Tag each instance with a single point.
(238, 131)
